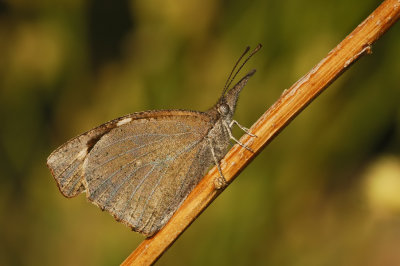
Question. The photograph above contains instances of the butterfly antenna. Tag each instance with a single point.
(238, 70)
(234, 67)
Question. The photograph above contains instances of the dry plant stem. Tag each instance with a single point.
(291, 102)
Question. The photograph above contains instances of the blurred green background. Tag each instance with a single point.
(326, 191)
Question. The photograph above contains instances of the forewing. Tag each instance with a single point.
(142, 170)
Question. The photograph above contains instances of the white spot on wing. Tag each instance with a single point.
(124, 121)
(81, 154)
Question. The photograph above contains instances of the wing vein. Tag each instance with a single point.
(134, 149)
(162, 176)
(141, 135)
(106, 181)
(137, 188)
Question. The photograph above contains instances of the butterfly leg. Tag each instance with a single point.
(219, 182)
(234, 139)
(245, 129)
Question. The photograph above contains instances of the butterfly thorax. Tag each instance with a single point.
(218, 135)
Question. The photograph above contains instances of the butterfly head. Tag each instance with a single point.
(227, 104)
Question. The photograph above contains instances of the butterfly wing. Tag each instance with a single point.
(143, 166)
(65, 163)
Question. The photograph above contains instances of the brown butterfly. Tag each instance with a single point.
(142, 166)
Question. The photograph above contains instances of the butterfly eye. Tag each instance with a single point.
(223, 109)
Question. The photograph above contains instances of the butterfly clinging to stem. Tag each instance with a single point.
(142, 166)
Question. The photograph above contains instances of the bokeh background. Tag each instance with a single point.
(326, 191)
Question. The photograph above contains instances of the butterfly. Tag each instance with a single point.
(142, 166)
